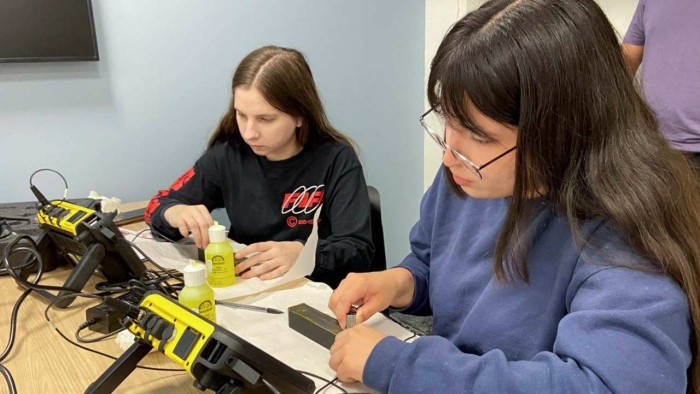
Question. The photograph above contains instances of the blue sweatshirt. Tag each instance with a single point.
(582, 325)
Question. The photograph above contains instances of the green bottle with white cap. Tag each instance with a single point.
(219, 257)
(197, 295)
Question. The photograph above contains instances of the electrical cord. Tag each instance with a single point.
(96, 339)
(12, 248)
(10, 343)
(32, 248)
(98, 296)
(139, 233)
(10, 381)
(41, 197)
(328, 382)
(161, 235)
(13, 325)
(151, 281)
(15, 310)
(155, 280)
(164, 270)
(335, 381)
(270, 386)
(13, 219)
(160, 282)
(29, 263)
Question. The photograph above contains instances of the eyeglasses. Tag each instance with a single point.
(434, 122)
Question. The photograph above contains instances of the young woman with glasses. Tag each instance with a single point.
(271, 163)
(557, 249)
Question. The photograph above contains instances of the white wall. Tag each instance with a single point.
(619, 12)
(440, 15)
(131, 123)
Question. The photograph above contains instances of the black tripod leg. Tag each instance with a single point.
(119, 370)
(82, 272)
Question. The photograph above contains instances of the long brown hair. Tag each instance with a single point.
(284, 78)
(586, 138)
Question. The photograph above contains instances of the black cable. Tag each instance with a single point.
(326, 385)
(13, 325)
(97, 339)
(334, 381)
(139, 233)
(161, 235)
(52, 205)
(270, 386)
(151, 280)
(12, 248)
(8, 376)
(329, 382)
(164, 270)
(15, 219)
(11, 341)
(28, 263)
(161, 282)
(146, 283)
(88, 295)
(172, 273)
(15, 310)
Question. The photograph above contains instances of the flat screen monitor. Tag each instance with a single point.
(47, 30)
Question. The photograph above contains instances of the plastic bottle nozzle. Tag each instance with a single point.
(194, 274)
(217, 233)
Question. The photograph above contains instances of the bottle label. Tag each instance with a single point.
(206, 309)
(217, 265)
(220, 268)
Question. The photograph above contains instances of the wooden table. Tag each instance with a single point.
(42, 362)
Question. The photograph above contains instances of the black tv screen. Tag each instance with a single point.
(47, 30)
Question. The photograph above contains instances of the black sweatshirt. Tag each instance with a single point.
(276, 201)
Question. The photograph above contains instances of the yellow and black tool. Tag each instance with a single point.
(90, 241)
(215, 358)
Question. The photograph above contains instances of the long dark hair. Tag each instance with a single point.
(587, 141)
(284, 78)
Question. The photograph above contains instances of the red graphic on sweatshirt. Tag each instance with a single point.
(292, 222)
(177, 185)
(184, 178)
(302, 200)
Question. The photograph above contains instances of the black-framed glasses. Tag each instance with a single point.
(432, 121)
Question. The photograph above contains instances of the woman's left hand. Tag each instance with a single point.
(351, 350)
(271, 259)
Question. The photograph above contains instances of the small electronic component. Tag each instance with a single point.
(313, 324)
(351, 317)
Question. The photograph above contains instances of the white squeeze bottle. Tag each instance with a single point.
(197, 295)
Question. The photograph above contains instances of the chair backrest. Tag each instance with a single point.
(379, 260)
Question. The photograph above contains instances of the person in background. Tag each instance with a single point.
(271, 163)
(664, 38)
(557, 248)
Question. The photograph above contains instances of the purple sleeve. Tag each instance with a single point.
(418, 262)
(635, 33)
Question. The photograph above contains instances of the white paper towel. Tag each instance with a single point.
(176, 256)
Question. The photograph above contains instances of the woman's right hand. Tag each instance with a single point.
(373, 292)
(194, 219)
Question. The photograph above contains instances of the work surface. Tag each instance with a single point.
(42, 362)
